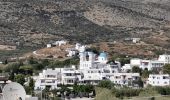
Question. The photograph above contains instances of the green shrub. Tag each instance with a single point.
(152, 98)
(83, 88)
(163, 90)
(106, 84)
(126, 92)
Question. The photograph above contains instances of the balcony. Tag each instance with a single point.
(49, 83)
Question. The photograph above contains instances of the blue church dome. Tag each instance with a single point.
(103, 54)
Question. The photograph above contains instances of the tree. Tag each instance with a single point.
(145, 73)
(45, 62)
(124, 61)
(20, 78)
(166, 69)
(106, 84)
(138, 82)
(32, 60)
(54, 91)
(26, 69)
(163, 90)
(31, 83)
(28, 90)
(11, 76)
(13, 67)
(5, 62)
(38, 66)
(136, 69)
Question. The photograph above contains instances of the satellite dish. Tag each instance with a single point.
(14, 91)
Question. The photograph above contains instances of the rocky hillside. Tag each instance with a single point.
(33, 23)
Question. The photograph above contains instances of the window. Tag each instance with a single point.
(106, 71)
(42, 81)
(70, 81)
(77, 74)
(165, 82)
(124, 76)
(165, 77)
(68, 74)
(50, 76)
(158, 77)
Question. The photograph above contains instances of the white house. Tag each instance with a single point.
(51, 78)
(49, 45)
(80, 48)
(124, 78)
(164, 58)
(71, 52)
(126, 68)
(70, 76)
(135, 40)
(159, 80)
(92, 76)
(59, 43)
(150, 64)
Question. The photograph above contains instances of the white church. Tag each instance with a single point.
(95, 68)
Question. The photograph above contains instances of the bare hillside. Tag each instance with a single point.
(31, 24)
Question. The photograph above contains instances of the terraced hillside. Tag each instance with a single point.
(33, 23)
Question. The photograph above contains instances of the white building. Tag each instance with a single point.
(92, 76)
(49, 45)
(150, 64)
(90, 60)
(159, 80)
(51, 78)
(95, 68)
(135, 40)
(164, 58)
(80, 48)
(59, 43)
(71, 52)
(70, 76)
(126, 68)
(92, 69)
(124, 78)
